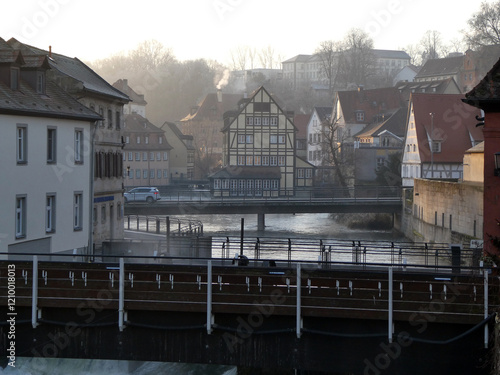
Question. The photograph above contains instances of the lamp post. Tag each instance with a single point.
(432, 144)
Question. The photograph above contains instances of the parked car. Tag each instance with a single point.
(146, 194)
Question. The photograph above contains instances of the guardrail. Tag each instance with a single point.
(302, 289)
(357, 194)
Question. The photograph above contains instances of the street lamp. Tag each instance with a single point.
(432, 144)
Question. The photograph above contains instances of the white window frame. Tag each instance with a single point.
(50, 213)
(78, 146)
(77, 211)
(51, 145)
(21, 216)
(249, 120)
(22, 144)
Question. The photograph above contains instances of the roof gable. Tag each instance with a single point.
(453, 124)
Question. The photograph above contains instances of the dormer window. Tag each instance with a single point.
(360, 116)
(40, 82)
(14, 78)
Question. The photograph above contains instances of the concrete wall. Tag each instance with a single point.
(444, 212)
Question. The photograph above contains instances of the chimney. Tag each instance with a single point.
(50, 51)
(219, 95)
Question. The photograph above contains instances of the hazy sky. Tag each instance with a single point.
(93, 29)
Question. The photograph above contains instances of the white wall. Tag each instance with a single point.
(37, 178)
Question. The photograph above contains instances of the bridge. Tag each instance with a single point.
(323, 316)
(372, 199)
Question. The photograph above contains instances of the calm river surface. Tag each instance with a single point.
(311, 226)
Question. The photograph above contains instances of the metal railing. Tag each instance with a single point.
(163, 225)
(312, 195)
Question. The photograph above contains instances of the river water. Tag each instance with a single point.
(311, 226)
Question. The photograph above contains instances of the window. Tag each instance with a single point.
(146, 139)
(217, 184)
(110, 119)
(436, 146)
(20, 216)
(249, 160)
(152, 156)
(275, 184)
(265, 121)
(257, 160)
(117, 120)
(360, 116)
(273, 161)
(257, 121)
(138, 173)
(265, 160)
(249, 120)
(158, 156)
(158, 173)
(144, 173)
(281, 161)
(300, 173)
(50, 213)
(40, 82)
(145, 156)
(249, 138)
(160, 139)
(101, 113)
(262, 107)
(77, 211)
(130, 156)
(137, 156)
(138, 140)
(281, 139)
(225, 184)
(165, 156)
(22, 145)
(151, 173)
(14, 78)
(273, 139)
(274, 120)
(309, 173)
(241, 138)
(266, 184)
(78, 146)
(103, 213)
(165, 173)
(241, 160)
(127, 139)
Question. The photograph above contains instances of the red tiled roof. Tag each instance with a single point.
(454, 125)
(372, 102)
(212, 109)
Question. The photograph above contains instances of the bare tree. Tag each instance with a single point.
(432, 46)
(151, 55)
(415, 55)
(239, 58)
(336, 155)
(329, 55)
(357, 62)
(484, 26)
(267, 57)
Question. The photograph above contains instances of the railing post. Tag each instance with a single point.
(486, 331)
(299, 317)
(390, 307)
(34, 293)
(121, 296)
(209, 297)
(168, 233)
(128, 222)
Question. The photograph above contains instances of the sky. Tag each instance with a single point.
(212, 29)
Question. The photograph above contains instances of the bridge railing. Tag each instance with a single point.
(351, 194)
(299, 290)
(163, 224)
